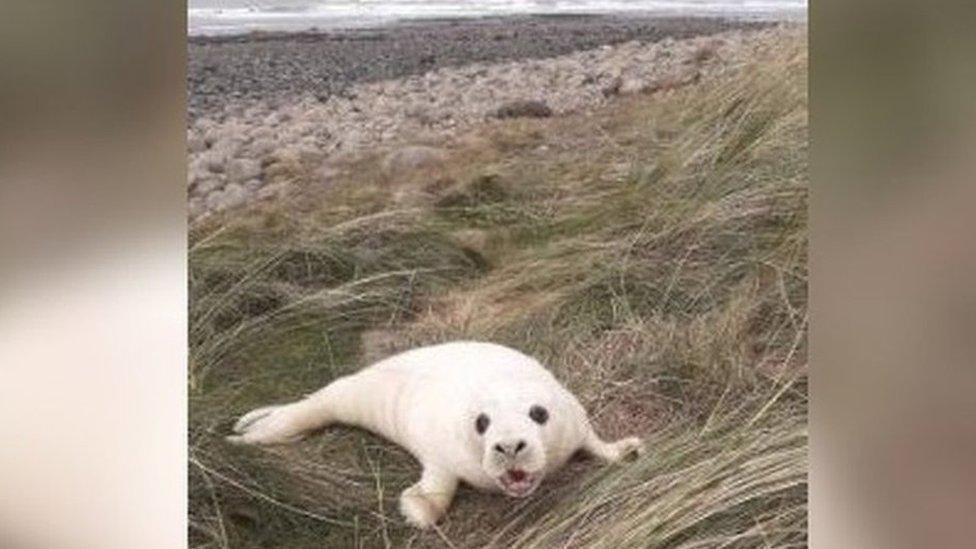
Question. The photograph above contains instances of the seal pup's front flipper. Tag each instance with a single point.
(613, 452)
(426, 501)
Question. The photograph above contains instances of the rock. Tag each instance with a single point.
(232, 133)
(213, 201)
(252, 185)
(217, 156)
(207, 129)
(196, 144)
(261, 133)
(262, 146)
(207, 185)
(232, 196)
(196, 170)
(613, 87)
(243, 169)
(204, 124)
(214, 161)
(304, 128)
(271, 191)
(413, 157)
(518, 109)
(309, 153)
(195, 206)
(420, 113)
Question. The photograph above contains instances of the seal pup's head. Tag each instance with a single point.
(511, 437)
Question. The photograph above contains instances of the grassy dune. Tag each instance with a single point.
(653, 255)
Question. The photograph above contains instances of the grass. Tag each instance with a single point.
(653, 255)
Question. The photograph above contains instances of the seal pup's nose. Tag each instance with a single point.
(510, 448)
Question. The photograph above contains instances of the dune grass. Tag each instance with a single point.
(653, 255)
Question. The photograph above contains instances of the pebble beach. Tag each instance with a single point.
(264, 106)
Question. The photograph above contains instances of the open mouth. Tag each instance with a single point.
(518, 483)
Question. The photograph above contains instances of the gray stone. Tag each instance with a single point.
(613, 87)
(308, 153)
(262, 133)
(271, 191)
(420, 113)
(517, 109)
(207, 185)
(252, 185)
(304, 128)
(196, 144)
(243, 169)
(196, 170)
(262, 146)
(232, 196)
(206, 128)
(214, 160)
(213, 200)
(195, 206)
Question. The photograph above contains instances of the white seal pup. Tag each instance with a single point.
(480, 413)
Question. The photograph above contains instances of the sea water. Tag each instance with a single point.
(241, 16)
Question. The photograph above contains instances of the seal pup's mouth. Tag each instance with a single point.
(518, 483)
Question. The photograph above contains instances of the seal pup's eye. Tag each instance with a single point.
(481, 424)
(539, 414)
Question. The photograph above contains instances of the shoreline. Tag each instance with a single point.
(276, 68)
(205, 23)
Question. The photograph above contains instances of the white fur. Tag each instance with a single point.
(428, 400)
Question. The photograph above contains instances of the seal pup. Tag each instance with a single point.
(475, 412)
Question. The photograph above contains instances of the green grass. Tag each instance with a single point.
(652, 255)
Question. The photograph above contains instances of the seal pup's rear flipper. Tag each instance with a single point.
(247, 419)
(280, 424)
